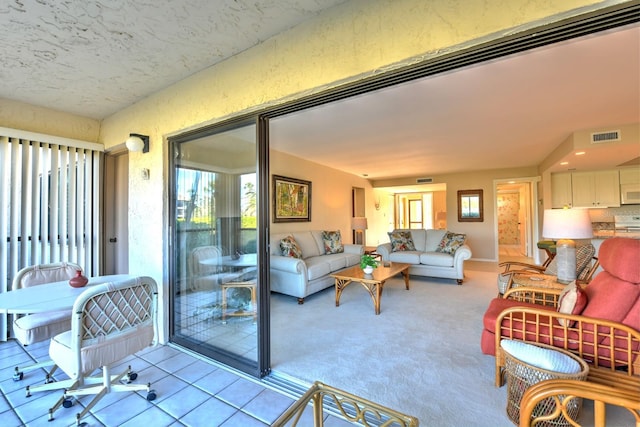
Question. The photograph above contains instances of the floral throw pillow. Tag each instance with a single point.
(401, 241)
(332, 242)
(289, 247)
(451, 242)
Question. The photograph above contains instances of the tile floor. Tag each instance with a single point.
(191, 391)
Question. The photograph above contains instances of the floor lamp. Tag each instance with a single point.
(359, 224)
(565, 225)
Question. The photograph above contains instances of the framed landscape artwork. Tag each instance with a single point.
(470, 207)
(291, 199)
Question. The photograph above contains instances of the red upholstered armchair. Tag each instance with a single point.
(606, 333)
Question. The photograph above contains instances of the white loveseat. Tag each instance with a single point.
(302, 277)
(425, 260)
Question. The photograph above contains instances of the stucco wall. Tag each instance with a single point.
(18, 115)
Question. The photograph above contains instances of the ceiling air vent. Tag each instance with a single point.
(424, 180)
(609, 136)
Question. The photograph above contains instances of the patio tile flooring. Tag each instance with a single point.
(190, 392)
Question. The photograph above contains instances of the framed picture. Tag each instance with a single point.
(291, 199)
(470, 206)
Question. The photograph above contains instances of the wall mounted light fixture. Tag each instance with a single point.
(137, 142)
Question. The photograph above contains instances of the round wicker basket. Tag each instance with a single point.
(520, 376)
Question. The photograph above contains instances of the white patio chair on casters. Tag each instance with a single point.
(37, 327)
(110, 321)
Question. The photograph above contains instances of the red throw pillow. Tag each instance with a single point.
(572, 301)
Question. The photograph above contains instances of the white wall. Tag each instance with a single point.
(330, 194)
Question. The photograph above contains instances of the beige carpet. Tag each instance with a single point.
(420, 356)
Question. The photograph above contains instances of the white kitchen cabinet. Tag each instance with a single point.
(599, 189)
(561, 195)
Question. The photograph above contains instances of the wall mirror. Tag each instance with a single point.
(470, 206)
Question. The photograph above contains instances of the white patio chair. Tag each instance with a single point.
(110, 322)
(37, 327)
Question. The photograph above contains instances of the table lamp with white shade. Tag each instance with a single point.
(564, 225)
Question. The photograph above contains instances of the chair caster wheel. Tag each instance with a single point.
(151, 395)
(48, 380)
(18, 376)
(67, 402)
(132, 376)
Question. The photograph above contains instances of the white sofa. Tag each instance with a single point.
(302, 277)
(425, 260)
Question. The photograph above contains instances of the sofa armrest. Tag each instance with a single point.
(353, 249)
(461, 254)
(384, 250)
(288, 264)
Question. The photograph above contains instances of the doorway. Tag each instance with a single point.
(515, 219)
(414, 210)
(116, 218)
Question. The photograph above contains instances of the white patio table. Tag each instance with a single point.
(49, 297)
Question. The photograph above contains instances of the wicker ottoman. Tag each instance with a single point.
(521, 375)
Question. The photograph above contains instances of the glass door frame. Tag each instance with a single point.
(261, 367)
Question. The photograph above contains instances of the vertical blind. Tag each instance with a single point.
(50, 198)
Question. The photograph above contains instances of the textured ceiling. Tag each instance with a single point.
(95, 57)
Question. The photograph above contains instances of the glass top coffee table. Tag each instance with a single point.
(373, 283)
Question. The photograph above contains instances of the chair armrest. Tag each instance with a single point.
(288, 264)
(563, 391)
(541, 296)
(522, 266)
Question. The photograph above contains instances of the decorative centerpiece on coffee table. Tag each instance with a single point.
(368, 263)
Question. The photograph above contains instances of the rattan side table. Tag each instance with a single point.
(520, 376)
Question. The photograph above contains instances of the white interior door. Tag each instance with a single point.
(524, 219)
(116, 194)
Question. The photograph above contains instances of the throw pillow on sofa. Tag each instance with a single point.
(572, 301)
(401, 241)
(289, 247)
(451, 242)
(332, 242)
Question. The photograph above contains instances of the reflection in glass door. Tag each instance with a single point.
(214, 288)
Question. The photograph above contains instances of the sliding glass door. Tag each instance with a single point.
(215, 277)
